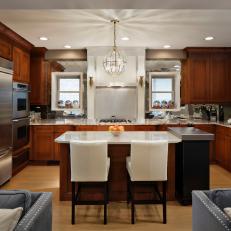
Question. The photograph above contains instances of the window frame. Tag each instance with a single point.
(56, 76)
(164, 75)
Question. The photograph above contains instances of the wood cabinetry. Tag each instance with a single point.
(58, 131)
(21, 60)
(223, 147)
(164, 127)
(41, 77)
(106, 127)
(205, 75)
(218, 78)
(43, 146)
(5, 49)
(45, 149)
(195, 78)
(42, 143)
(20, 159)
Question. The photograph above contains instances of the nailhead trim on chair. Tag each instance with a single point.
(217, 209)
(36, 206)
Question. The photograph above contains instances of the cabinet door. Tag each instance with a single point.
(218, 78)
(43, 139)
(199, 77)
(25, 67)
(5, 50)
(220, 150)
(21, 61)
(228, 148)
(16, 60)
(228, 74)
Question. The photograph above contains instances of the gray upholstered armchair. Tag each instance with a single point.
(37, 208)
(207, 210)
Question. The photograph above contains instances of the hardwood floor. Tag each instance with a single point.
(89, 218)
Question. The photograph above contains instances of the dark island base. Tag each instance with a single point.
(117, 175)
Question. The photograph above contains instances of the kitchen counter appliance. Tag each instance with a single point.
(6, 73)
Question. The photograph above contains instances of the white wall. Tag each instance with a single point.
(134, 68)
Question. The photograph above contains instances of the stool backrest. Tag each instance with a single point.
(149, 160)
(88, 161)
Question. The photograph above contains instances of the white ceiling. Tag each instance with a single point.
(115, 4)
(145, 28)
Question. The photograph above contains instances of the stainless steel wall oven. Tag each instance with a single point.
(20, 100)
(21, 134)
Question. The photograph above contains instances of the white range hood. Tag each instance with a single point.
(121, 96)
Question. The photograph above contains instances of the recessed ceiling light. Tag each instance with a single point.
(43, 38)
(125, 38)
(67, 46)
(209, 38)
(167, 46)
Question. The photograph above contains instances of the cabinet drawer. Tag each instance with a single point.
(63, 128)
(43, 128)
(20, 160)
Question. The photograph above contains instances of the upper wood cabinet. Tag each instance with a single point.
(5, 49)
(218, 78)
(21, 60)
(205, 76)
(41, 77)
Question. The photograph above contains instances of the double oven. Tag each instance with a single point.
(21, 121)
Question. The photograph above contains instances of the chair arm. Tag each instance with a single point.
(206, 216)
(39, 217)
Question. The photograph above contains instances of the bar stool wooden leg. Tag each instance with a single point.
(105, 202)
(164, 202)
(73, 204)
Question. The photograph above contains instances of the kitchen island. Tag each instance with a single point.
(118, 150)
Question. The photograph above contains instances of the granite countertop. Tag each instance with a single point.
(145, 122)
(124, 138)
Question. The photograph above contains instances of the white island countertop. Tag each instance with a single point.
(124, 138)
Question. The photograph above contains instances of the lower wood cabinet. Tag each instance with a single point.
(20, 159)
(44, 147)
(42, 143)
(223, 147)
(58, 131)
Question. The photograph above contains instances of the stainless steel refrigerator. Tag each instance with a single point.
(6, 74)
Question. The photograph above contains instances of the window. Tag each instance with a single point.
(66, 91)
(162, 91)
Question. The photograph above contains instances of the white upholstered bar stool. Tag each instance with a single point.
(147, 165)
(89, 166)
